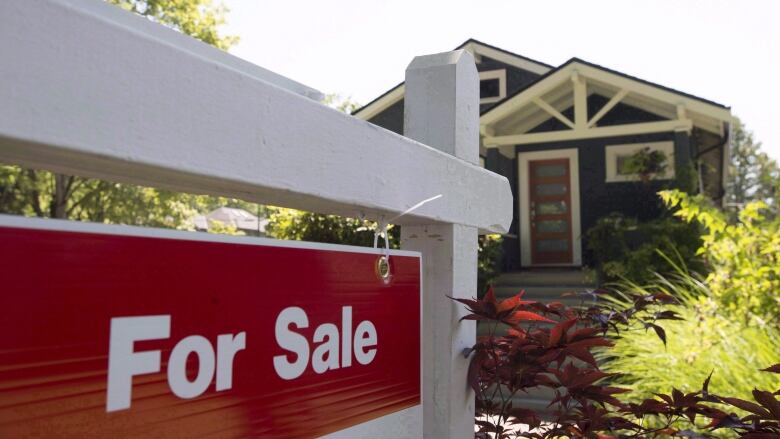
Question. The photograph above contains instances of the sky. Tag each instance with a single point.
(725, 51)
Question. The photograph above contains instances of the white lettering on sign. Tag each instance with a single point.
(334, 347)
(326, 355)
(124, 362)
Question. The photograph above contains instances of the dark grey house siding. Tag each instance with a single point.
(392, 118)
(597, 197)
(500, 164)
(516, 79)
(621, 114)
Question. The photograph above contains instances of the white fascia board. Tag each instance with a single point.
(525, 97)
(382, 103)
(476, 49)
(653, 92)
(635, 87)
(520, 63)
(88, 89)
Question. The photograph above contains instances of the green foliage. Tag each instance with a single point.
(627, 248)
(220, 228)
(200, 19)
(45, 194)
(744, 257)
(753, 176)
(307, 226)
(645, 162)
(708, 338)
(488, 260)
(341, 103)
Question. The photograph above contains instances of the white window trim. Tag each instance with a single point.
(613, 151)
(523, 199)
(494, 74)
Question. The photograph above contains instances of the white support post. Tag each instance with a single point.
(580, 102)
(441, 109)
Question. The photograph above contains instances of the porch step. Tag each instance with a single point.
(548, 277)
(544, 285)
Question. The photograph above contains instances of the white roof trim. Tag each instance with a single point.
(620, 82)
(382, 103)
(506, 58)
(476, 49)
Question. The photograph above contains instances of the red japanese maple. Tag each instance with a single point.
(531, 345)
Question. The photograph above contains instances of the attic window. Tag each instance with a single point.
(492, 86)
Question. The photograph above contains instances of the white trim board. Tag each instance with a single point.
(521, 63)
(397, 93)
(499, 74)
(613, 151)
(523, 199)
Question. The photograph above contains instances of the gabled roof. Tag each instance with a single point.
(554, 89)
(477, 48)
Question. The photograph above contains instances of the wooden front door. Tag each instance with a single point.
(550, 211)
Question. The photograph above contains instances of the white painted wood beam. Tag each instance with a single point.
(654, 92)
(88, 89)
(608, 106)
(442, 110)
(682, 113)
(580, 101)
(553, 112)
(635, 87)
(610, 131)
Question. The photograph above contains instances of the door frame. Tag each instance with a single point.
(525, 212)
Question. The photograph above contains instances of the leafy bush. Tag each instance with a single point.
(551, 345)
(705, 339)
(626, 248)
(646, 163)
(744, 257)
(333, 229)
(488, 260)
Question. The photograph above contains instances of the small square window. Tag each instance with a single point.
(621, 161)
(492, 86)
(489, 88)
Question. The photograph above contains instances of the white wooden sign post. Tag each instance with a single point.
(441, 109)
(88, 89)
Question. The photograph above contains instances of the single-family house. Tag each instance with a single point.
(569, 139)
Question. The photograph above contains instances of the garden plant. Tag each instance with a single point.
(552, 345)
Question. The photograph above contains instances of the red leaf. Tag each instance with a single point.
(773, 369)
(490, 296)
(747, 406)
(513, 302)
(519, 316)
(769, 401)
(559, 330)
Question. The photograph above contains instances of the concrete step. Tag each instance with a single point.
(547, 277)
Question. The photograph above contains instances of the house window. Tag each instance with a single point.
(492, 86)
(622, 161)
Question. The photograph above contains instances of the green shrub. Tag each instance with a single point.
(625, 248)
(488, 262)
(743, 257)
(706, 340)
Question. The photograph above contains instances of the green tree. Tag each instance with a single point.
(45, 194)
(754, 176)
(200, 19)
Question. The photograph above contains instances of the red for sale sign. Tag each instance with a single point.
(111, 331)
